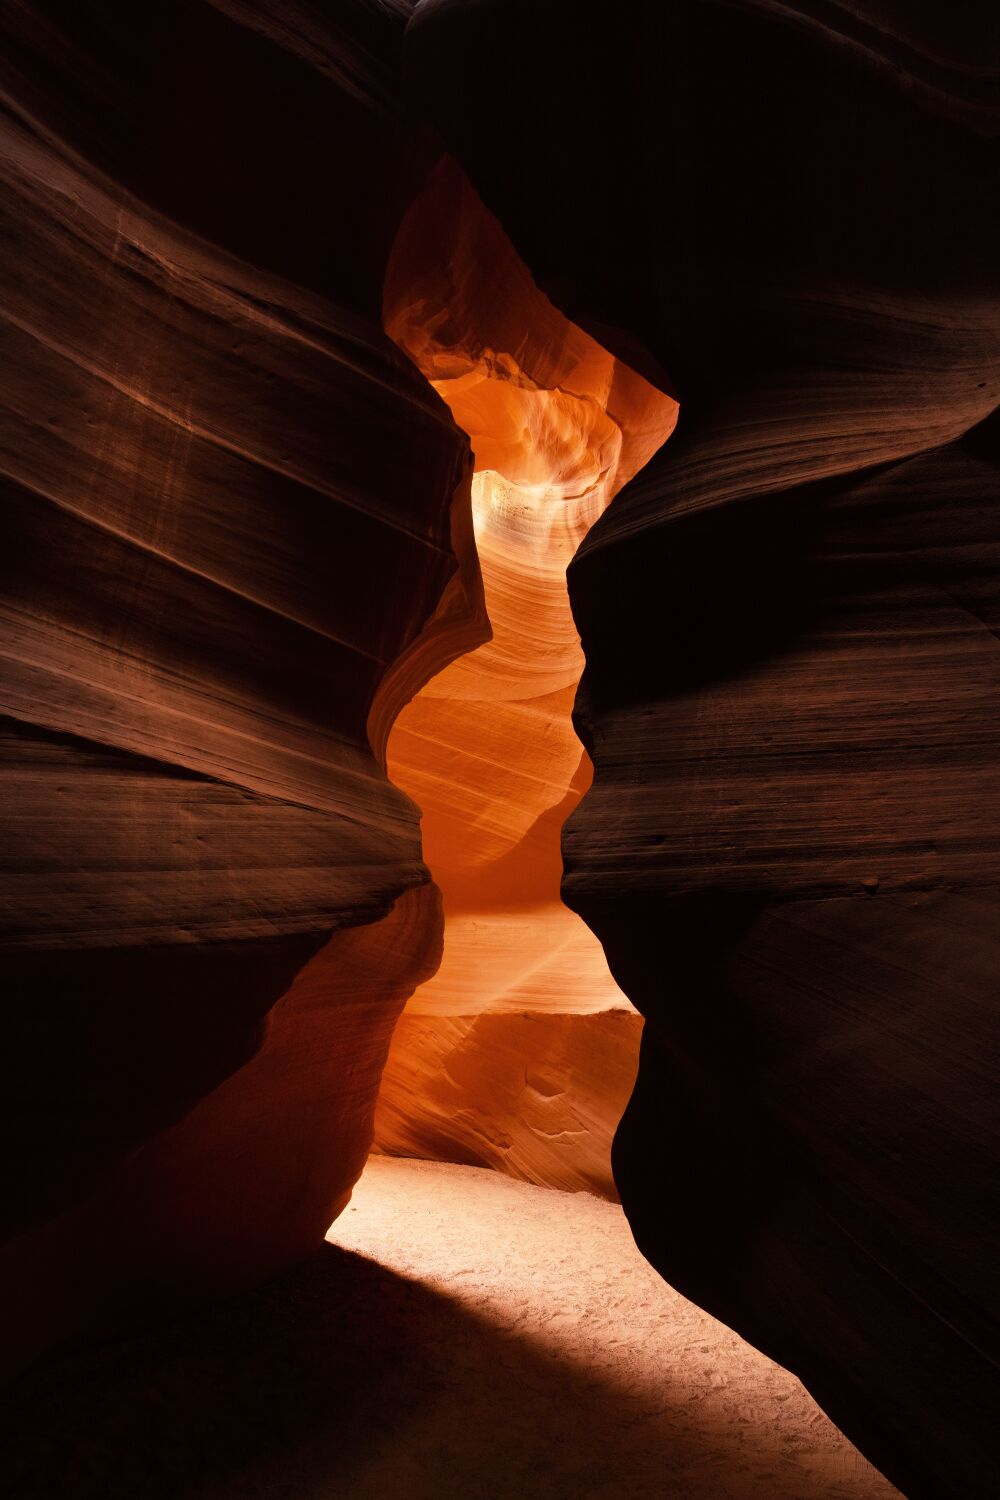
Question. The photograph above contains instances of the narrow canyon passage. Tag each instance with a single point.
(436, 762)
(520, 1052)
(462, 1336)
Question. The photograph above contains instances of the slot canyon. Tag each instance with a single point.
(520, 1051)
(501, 749)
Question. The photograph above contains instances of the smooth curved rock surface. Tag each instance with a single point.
(487, 748)
(228, 546)
(789, 851)
(537, 1096)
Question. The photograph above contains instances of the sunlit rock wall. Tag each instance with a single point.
(520, 1052)
(228, 544)
(790, 620)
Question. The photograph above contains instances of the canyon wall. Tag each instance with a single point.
(229, 515)
(785, 216)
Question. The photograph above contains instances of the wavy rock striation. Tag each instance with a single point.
(497, 1057)
(228, 545)
(790, 621)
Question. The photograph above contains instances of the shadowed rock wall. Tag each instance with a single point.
(227, 545)
(786, 215)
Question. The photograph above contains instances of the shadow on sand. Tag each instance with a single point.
(343, 1379)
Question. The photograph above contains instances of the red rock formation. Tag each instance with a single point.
(487, 748)
(537, 1096)
(232, 556)
(789, 851)
(227, 545)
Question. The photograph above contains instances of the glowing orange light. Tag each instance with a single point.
(487, 748)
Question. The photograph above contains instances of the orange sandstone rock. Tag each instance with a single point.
(487, 748)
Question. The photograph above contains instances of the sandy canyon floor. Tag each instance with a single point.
(461, 1337)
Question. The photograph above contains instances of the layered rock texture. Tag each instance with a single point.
(785, 214)
(521, 1051)
(228, 545)
(240, 538)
